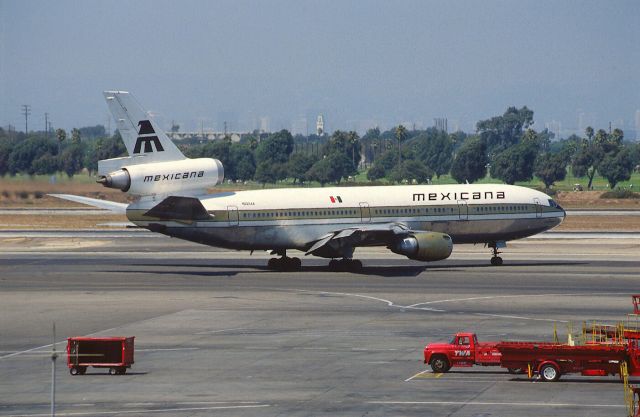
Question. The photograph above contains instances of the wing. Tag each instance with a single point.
(120, 208)
(340, 242)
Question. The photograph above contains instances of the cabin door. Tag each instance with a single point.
(365, 212)
(538, 208)
(463, 209)
(232, 212)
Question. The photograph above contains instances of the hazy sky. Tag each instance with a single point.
(360, 63)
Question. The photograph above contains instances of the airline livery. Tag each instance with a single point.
(421, 222)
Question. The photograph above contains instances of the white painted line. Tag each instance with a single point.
(161, 410)
(416, 375)
(220, 331)
(505, 316)
(166, 349)
(509, 404)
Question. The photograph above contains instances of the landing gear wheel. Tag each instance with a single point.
(549, 372)
(496, 261)
(296, 264)
(113, 371)
(439, 364)
(74, 371)
(285, 264)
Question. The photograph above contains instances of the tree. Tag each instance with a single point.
(45, 164)
(348, 145)
(272, 156)
(75, 135)
(328, 169)
(61, 135)
(411, 170)
(299, 164)
(435, 150)
(401, 135)
(470, 164)
(616, 167)
(376, 172)
(26, 151)
(550, 168)
(593, 150)
(6, 146)
(70, 160)
(242, 162)
(501, 132)
(516, 163)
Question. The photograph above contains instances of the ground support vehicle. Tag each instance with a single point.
(463, 351)
(551, 360)
(115, 353)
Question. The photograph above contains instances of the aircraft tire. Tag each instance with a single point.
(496, 261)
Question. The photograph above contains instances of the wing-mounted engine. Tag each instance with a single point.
(187, 175)
(424, 246)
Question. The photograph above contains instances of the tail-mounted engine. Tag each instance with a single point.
(165, 177)
(425, 246)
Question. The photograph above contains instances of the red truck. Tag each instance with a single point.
(463, 351)
(548, 360)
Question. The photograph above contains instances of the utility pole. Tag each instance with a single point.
(46, 125)
(54, 356)
(26, 111)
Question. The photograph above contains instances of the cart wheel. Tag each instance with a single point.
(549, 372)
(122, 371)
(82, 370)
(440, 364)
(74, 371)
(113, 371)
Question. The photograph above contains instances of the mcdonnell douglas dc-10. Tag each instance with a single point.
(421, 222)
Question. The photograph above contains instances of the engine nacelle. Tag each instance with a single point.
(166, 177)
(426, 246)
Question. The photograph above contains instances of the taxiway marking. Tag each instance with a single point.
(138, 411)
(495, 403)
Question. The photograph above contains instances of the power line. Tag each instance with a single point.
(26, 111)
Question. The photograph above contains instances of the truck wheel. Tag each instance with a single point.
(74, 371)
(549, 372)
(440, 364)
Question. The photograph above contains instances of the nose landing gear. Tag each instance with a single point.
(496, 260)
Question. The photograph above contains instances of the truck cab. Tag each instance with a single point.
(464, 350)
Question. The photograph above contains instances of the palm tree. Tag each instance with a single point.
(401, 135)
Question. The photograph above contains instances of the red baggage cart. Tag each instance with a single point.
(115, 353)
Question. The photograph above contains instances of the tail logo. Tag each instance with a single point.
(147, 136)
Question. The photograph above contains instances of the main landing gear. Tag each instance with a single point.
(345, 265)
(284, 263)
(496, 260)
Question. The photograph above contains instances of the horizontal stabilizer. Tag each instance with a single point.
(179, 208)
(120, 208)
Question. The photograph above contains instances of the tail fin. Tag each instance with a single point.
(141, 135)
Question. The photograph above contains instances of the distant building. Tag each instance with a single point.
(440, 123)
(320, 125)
(264, 124)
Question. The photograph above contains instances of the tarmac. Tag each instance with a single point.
(217, 333)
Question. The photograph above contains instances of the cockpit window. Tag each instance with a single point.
(552, 203)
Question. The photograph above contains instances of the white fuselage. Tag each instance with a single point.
(295, 218)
